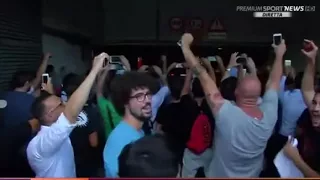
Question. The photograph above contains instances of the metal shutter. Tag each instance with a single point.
(20, 37)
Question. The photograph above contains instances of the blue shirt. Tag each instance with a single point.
(18, 107)
(122, 135)
(292, 107)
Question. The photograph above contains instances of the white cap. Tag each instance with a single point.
(3, 104)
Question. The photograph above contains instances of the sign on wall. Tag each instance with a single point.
(196, 23)
(176, 23)
(216, 30)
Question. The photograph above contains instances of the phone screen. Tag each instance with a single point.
(244, 71)
(241, 60)
(287, 62)
(277, 39)
(212, 58)
(115, 60)
(45, 78)
(179, 65)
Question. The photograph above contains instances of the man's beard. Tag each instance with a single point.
(141, 118)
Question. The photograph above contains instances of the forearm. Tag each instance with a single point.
(208, 84)
(40, 71)
(101, 82)
(164, 67)
(212, 74)
(276, 73)
(80, 97)
(187, 83)
(308, 77)
(305, 168)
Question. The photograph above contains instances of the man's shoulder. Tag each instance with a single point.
(13, 95)
(122, 135)
(31, 150)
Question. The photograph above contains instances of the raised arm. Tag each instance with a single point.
(308, 90)
(164, 64)
(101, 82)
(187, 83)
(211, 72)
(36, 82)
(171, 66)
(52, 139)
(251, 67)
(277, 67)
(125, 62)
(213, 95)
(80, 96)
(221, 66)
(232, 63)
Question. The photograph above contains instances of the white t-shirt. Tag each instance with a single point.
(50, 153)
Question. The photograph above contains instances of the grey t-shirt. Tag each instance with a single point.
(240, 140)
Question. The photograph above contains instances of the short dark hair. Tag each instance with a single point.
(71, 82)
(175, 84)
(228, 87)
(50, 69)
(122, 86)
(20, 78)
(37, 108)
(150, 156)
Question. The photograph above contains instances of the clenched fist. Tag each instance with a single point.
(187, 39)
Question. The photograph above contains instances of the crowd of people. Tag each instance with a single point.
(178, 121)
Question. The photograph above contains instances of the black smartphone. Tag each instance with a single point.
(241, 60)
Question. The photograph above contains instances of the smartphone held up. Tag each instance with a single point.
(45, 78)
(277, 38)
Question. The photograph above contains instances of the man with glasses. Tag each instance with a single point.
(131, 95)
(50, 153)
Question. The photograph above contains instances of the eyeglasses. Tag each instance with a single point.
(142, 96)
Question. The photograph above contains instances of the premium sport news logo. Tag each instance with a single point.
(275, 11)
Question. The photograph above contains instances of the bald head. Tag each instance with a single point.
(249, 87)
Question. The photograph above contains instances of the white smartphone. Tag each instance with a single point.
(45, 78)
(287, 62)
(277, 38)
(179, 65)
(212, 58)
